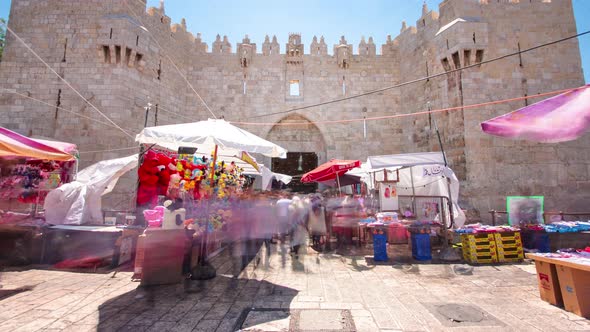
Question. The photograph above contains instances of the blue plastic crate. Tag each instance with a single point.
(421, 247)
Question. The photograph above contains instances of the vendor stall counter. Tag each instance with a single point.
(108, 245)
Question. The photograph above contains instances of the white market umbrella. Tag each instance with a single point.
(205, 135)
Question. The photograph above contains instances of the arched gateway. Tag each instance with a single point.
(306, 146)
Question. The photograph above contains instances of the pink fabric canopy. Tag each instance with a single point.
(564, 117)
(16, 145)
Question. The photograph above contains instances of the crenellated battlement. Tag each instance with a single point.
(430, 22)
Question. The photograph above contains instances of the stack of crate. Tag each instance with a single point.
(479, 248)
(509, 246)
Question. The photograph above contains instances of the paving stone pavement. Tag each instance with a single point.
(385, 297)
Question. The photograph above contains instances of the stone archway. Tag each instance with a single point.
(305, 143)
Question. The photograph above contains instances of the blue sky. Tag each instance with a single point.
(330, 18)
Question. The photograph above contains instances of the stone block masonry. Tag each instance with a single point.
(121, 55)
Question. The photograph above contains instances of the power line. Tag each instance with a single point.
(58, 107)
(63, 80)
(456, 108)
(109, 150)
(160, 108)
(166, 55)
(423, 78)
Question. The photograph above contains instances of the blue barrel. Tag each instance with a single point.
(380, 245)
(541, 240)
(421, 247)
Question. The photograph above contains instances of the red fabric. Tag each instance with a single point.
(330, 170)
(148, 179)
(164, 176)
(84, 262)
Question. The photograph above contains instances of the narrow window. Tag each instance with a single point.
(65, 50)
(343, 85)
(456, 60)
(111, 34)
(478, 56)
(127, 55)
(137, 41)
(57, 103)
(467, 57)
(294, 88)
(138, 58)
(159, 70)
(118, 54)
(106, 53)
(445, 64)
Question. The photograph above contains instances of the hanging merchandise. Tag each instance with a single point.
(184, 180)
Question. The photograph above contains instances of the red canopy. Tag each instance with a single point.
(330, 170)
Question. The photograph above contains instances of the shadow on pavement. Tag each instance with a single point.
(218, 304)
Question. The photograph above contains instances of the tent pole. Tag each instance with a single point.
(413, 192)
(212, 175)
(338, 181)
(211, 185)
(204, 270)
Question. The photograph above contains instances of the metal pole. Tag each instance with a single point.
(147, 113)
(449, 200)
(442, 149)
(338, 181)
(413, 192)
(206, 235)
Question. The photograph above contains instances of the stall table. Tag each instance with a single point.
(572, 285)
(556, 240)
(111, 243)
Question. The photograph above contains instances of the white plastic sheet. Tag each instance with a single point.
(79, 202)
(268, 176)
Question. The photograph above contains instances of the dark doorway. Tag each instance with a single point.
(297, 164)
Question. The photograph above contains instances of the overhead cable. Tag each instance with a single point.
(64, 80)
(171, 61)
(423, 78)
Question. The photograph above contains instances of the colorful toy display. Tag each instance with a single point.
(186, 179)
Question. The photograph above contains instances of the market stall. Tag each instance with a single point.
(189, 179)
(30, 168)
(415, 192)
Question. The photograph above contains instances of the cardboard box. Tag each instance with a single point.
(575, 289)
(548, 283)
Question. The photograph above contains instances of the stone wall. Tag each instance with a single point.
(121, 56)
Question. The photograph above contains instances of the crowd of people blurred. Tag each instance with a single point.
(293, 222)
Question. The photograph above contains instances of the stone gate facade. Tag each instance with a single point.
(121, 55)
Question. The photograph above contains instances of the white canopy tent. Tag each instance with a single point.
(420, 174)
(208, 135)
(205, 135)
